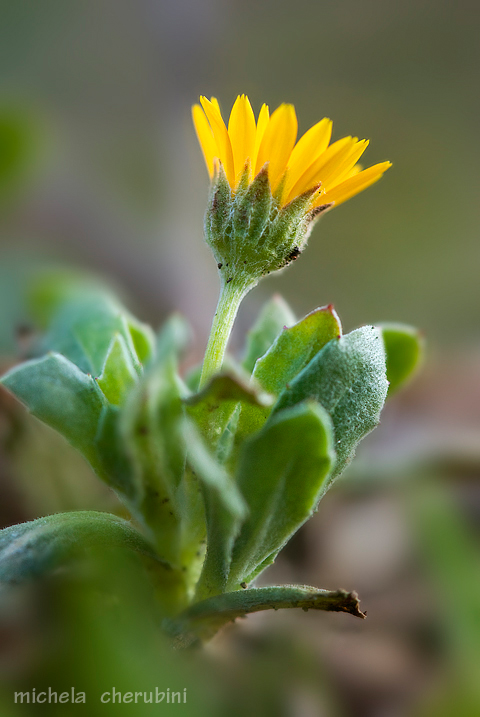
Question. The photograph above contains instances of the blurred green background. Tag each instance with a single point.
(101, 172)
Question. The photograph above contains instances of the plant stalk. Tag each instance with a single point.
(231, 295)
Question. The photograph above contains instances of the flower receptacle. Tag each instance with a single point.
(249, 232)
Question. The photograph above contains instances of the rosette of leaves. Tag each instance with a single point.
(215, 481)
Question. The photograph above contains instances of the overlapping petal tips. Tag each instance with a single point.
(355, 184)
(224, 146)
(278, 142)
(206, 137)
(262, 124)
(293, 169)
(308, 149)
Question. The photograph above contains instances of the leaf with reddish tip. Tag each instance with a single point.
(348, 378)
(295, 347)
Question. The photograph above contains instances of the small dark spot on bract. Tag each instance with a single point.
(219, 265)
(294, 254)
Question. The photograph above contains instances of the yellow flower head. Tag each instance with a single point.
(329, 171)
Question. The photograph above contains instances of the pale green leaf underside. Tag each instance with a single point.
(36, 548)
(62, 396)
(281, 475)
(225, 510)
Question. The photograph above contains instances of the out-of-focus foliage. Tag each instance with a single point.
(19, 144)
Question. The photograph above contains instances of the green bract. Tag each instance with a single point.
(250, 233)
(216, 480)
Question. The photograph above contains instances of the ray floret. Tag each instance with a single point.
(294, 167)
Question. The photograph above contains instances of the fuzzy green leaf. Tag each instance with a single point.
(213, 407)
(295, 347)
(173, 339)
(118, 375)
(404, 347)
(225, 510)
(19, 149)
(33, 549)
(149, 430)
(115, 464)
(83, 331)
(281, 475)
(54, 293)
(230, 366)
(348, 378)
(275, 315)
(143, 339)
(59, 394)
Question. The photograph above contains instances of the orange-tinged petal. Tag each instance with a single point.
(352, 186)
(262, 124)
(307, 150)
(221, 137)
(205, 137)
(313, 175)
(278, 142)
(241, 130)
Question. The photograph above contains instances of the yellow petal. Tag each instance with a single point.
(205, 137)
(345, 175)
(307, 150)
(314, 174)
(337, 171)
(263, 120)
(221, 137)
(214, 102)
(352, 186)
(278, 142)
(354, 170)
(241, 130)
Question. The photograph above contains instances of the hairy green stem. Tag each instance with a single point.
(231, 295)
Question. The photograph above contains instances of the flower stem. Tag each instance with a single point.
(231, 295)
